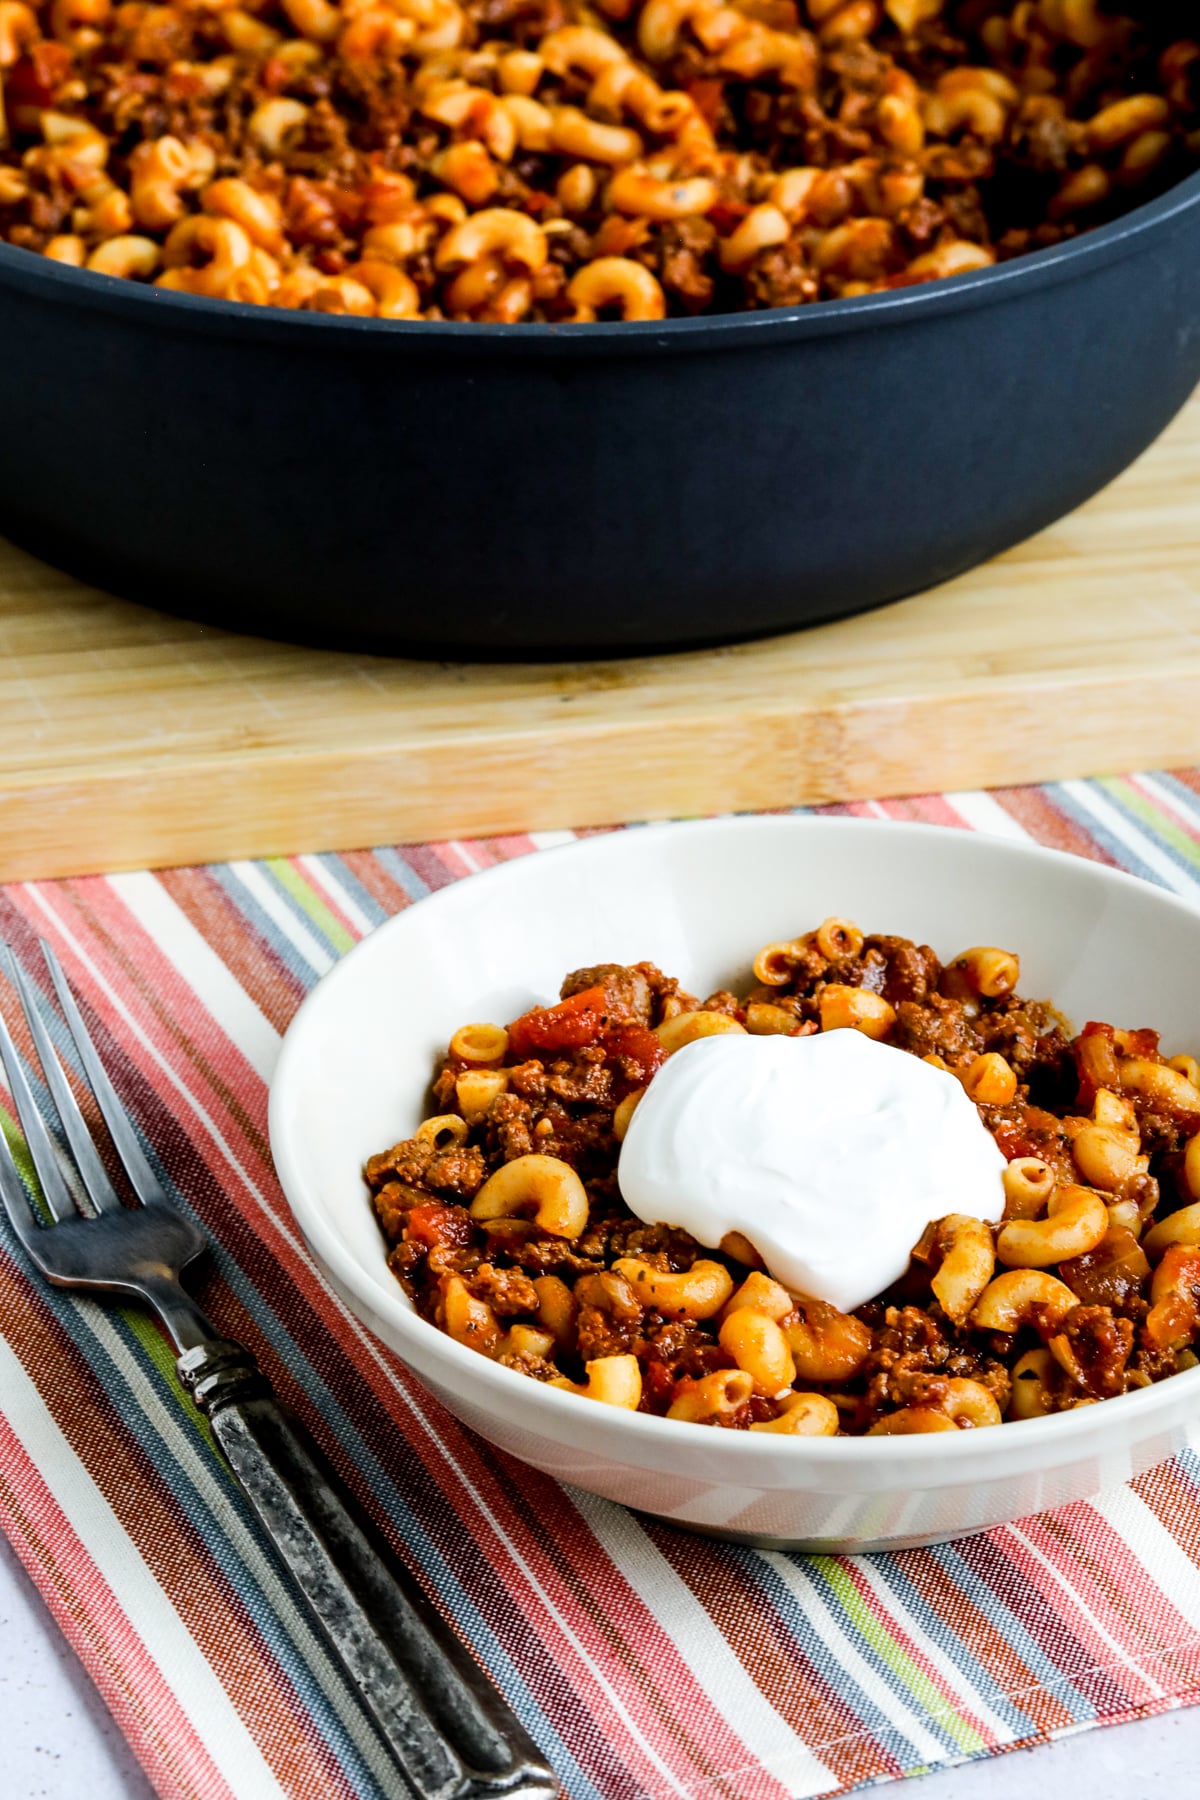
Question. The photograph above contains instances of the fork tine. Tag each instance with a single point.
(45, 1159)
(87, 1159)
(16, 1203)
(142, 1177)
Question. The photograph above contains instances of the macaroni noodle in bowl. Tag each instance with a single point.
(550, 161)
(508, 1228)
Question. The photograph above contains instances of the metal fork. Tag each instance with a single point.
(447, 1732)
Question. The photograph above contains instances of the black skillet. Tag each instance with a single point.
(530, 490)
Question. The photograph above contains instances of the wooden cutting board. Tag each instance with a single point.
(129, 739)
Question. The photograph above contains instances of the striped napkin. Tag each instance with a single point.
(649, 1665)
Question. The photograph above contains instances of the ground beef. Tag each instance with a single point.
(630, 992)
(458, 1169)
(599, 1334)
(545, 1255)
(682, 251)
(393, 1203)
(508, 1292)
(510, 1124)
(583, 1079)
(902, 1348)
(725, 1002)
(1032, 1131)
(910, 970)
(1043, 140)
(1095, 1347)
(936, 1027)
(1026, 1035)
(538, 1366)
(909, 1347)
(919, 225)
(782, 277)
(1150, 1363)
(1161, 1134)
(677, 1249)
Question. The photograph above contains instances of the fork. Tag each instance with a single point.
(447, 1733)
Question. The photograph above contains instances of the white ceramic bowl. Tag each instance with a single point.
(699, 900)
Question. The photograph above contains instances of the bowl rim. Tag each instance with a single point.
(83, 288)
(1058, 1431)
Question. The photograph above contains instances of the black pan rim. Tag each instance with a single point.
(60, 284)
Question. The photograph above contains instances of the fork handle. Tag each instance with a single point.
(450, 1734)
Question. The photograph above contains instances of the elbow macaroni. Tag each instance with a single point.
(503, 1210)
(623, 164)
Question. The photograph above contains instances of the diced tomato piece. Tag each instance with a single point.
(618, 236)
(1030, 1132)
(639, 1044)
(685, 1385)
(1174, 1318)
(535, 202)
(657, 1384)
(586, 1018)
(727, 214)
(706, 95)
(567, 1026)
(274, 75)
(31, 85)
(435, 1225)
(1096, 1057)
(35, 79)
(780, 15)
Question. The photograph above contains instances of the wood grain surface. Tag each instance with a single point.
(130, 739)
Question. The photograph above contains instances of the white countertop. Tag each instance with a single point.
(59, 1740)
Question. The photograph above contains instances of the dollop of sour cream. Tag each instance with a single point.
(830, 1153)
